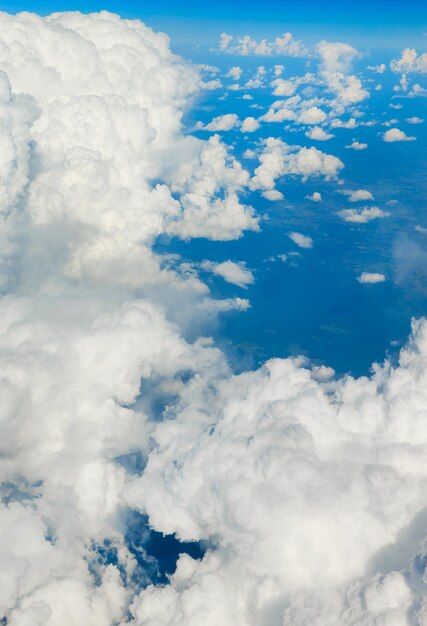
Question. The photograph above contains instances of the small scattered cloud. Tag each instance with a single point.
(394, 134)
(315, 197)
(362, 216)
(302, 241)
(318, 134)
(357, 145)
(371, 278)
(231, 272)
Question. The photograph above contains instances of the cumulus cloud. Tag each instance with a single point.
(394, 134)
(94, 167)
(235, 73)
(314, 197)
(302, 241)
(410, 61)
(223, 123)
(336, 57)
(357, 145)
(318, 134)
(249, 125)
(337, 123)
(362, 216)
(284, 45)
(290, 472)
(357, 195)
(415, 120)
(283, 87)
(371, 278)
(312, 115)
(278, 159)
(231, 272)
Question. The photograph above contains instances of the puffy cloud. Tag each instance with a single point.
(287, 472)
(302, 241)
(235, 73)
(231, 272)
(312, 115)
(272, 195)
(283, 87)
(362, 216)
(279, 113)
(357, 195)
(315, 197)
(249, 125)
(415, 120)
(225, 122)
(279, 159)
(337, 123)
(348, 89)
(318, 134)
(379, 69)
(394, 134)
(357, 145)
(410, 61)
(371, 278)
(93, 168)
(336, 56)
(284, 45)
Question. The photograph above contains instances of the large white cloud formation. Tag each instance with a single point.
(312, 494)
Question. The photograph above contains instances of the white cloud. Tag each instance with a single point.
(302, 241)
(223, 123)
(362, 216)
(410, 61)
(272, 195)
(318, 134)
(231, 272)
(283, 87)
(284, 45)
(337, 123)
(357, 145)
(379, 69)
(315, 197)
(283, 460)
(249, 125)
(235, 73)
(313, 115)
(357, 195)
(415, 120)
(336, 57)
(371, 278)
(279, 159)
(394, 134)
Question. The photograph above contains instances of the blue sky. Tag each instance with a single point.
(375, 24)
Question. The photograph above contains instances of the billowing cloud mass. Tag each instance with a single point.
(119, 417)
(287, 474)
